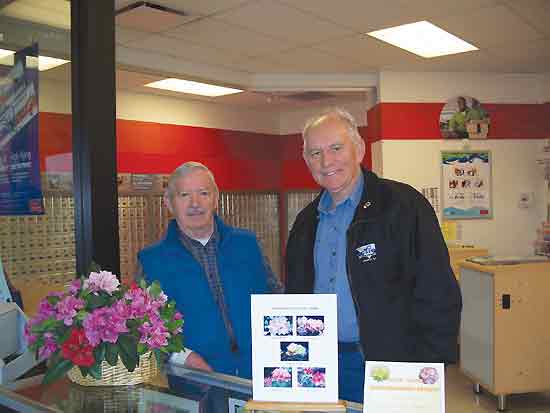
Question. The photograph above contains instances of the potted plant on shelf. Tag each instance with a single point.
(101, 332)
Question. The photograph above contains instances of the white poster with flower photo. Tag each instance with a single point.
(294, 348)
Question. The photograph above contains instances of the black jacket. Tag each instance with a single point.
(407, 299)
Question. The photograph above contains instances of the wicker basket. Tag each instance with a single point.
(118, 375)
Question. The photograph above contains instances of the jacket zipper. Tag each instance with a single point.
(348, 273)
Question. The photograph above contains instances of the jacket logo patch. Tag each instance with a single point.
(367, 253)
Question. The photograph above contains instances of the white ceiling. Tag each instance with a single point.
(268, 44)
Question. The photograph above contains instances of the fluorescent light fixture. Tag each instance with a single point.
(4, 53)
(423, 39)
(195, 88)
(44, 62)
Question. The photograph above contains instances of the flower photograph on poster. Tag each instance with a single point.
(277, 377)
(294, 351)
(310, 325)
(279, 325)
(428, 375)
(311, 377)
(380, 373)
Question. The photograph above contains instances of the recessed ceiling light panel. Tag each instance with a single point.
(195, 88)
(44, 62)
(423, 39)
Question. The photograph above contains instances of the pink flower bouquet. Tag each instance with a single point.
(99, 319)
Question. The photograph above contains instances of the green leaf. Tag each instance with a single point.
(96, 301)
(160, 357)
(46, 325)
(64, 337)
(57, 371)
(111, 354)
(94, 267)
(142, 348)
(84, 370)
(127, 350)
(175, 344)
(155, 289)
(142, 284)
(99, 353)
(95, 371)
(81, 315)
(53, 299)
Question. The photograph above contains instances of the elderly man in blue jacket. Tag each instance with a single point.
(376, 243)
(210, 269)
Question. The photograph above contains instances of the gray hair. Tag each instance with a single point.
(185, 169)
(336, 113)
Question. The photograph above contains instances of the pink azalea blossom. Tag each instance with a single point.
(49, 346)
(102, 281)
(154, 333)
(75, 286)
(45, 310)
(67, 309)
(104, 324)
(29, 337)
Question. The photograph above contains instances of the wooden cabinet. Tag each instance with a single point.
(458, 254)
(505, 339)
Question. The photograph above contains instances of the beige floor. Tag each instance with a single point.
(460, 398)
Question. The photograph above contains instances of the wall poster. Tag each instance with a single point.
(466, 184)
(20, 185)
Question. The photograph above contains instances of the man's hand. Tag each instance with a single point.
(195, 361)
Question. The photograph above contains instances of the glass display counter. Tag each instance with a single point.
(177, 390)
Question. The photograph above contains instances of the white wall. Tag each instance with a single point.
(55, 97)
(293, 121)
(165, 109)
(512, 230)
(486, 87)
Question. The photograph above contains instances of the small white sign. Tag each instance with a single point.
(294, 348)
(392, 387)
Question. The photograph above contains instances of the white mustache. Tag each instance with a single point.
(195, 211)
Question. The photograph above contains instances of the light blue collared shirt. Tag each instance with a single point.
(330, 257)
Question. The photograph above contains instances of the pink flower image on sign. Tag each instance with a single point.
(310, 325)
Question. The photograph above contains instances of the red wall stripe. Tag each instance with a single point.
(255, 161)
(421, 121)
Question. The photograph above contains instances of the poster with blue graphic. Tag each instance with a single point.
(20, 187)
(466, 185)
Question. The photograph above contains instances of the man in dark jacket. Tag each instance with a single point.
(377, 244)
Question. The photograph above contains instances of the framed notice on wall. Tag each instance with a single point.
(466, 185)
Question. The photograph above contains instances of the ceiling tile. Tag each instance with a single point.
(186, 50)
(535, 12)
(260, 65)
(364, 49)
(368, 15)
(489, 26)
(216, 33)
(284, 22)
(476, 61)
(150, 19)
(124, 36)
(56, 13)
(308, 60)
(196, 7)
(524, 51)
